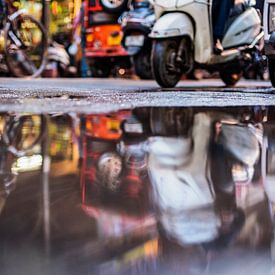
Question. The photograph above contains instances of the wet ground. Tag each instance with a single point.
(144, 190)
(105, 95)
(121, 177)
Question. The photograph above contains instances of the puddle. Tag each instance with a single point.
(141, 191)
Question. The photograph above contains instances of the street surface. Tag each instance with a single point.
(109, 194)
(97, 95)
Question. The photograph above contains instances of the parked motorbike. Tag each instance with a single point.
(136, 26)
(182, 40)
(269, 37)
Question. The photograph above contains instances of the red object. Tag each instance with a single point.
(104, 129)
(103, 33)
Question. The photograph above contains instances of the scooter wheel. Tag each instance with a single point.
(165, 69)
(230, 75)
(143, 65)
(101, 68)
(271, 69)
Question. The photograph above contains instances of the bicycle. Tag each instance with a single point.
(19, 135)
(24, 44)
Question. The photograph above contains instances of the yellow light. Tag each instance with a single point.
(90, 38)
(2, 42)
(54, 8)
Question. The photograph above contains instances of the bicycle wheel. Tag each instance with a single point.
(25, 46)
(22, 133)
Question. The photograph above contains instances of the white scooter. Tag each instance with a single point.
(182, 39)
(269, 37)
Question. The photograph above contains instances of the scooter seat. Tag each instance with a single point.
(237, 10)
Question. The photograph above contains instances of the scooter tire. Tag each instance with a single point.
(231, 74)
(271, 69)
(101, 69)
(142, 64)
(163, 52)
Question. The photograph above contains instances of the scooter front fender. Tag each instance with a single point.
(171, 25)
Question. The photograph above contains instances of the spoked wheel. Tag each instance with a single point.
(25, 46)
(166, 70)
(114, 6)
(22, 133)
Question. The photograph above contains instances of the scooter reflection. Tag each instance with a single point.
(194, 180)
(268, 174)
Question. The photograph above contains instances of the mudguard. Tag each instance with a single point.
(171, 25)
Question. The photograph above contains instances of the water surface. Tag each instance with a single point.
(140, 191)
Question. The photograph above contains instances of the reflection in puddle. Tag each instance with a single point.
(143, 191)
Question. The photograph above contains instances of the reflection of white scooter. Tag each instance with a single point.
(187, 183)
(182, 194)
(182, 38)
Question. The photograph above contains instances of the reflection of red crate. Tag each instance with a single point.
(102, 132)
(105, 127)
(102, 135)
(123, 221)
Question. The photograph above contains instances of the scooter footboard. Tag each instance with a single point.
(172, 25)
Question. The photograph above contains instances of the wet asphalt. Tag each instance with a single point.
(104, 95)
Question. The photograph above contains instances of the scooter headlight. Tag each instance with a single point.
(271, 18)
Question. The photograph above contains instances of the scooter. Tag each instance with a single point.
(136, 26)
(182, 39)
(269, 37)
